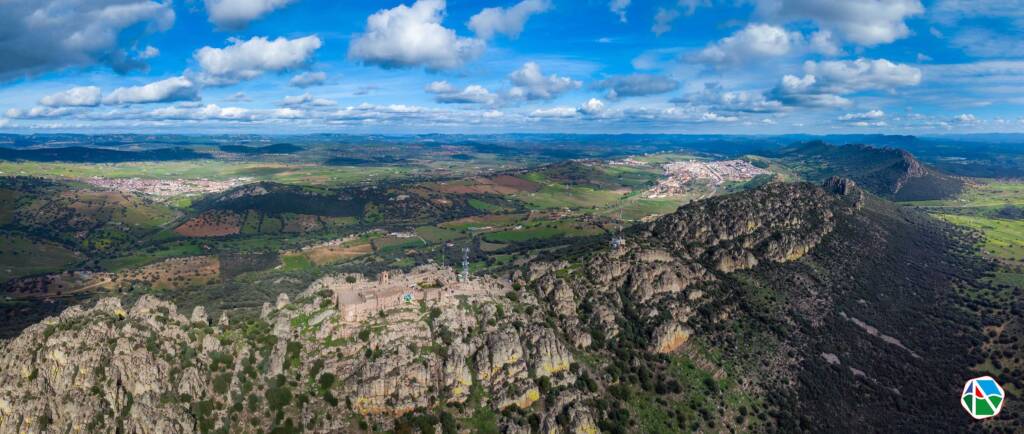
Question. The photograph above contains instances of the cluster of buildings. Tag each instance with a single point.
(165, 187)
(358, 298)
(679, 175)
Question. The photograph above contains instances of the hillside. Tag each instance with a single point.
(277, 148)
(888, 172)
(754, 311)
(82, 154)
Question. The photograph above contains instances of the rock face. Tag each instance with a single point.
(670, 336)
(150, 369)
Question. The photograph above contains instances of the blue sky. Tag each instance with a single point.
(674, 66)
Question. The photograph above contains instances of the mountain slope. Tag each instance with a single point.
(787, 307)
(888, 172)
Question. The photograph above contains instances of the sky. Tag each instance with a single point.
(492, 66)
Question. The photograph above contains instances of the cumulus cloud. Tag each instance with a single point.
(865, 22)
(554, 112)
(168, 90)
(823, 42)
(825, 83)
(715, 98)
(46, 35)
(619, 8)
(404, 37)
(307, 79)
(592, 107)
(207, 112)
(964, 118)
(508, 22)
(530, 83)
(755, 41)
(147, 53)
(636, 85)
(865, 116)
(445, 93)
(236, 14)
(307, 99)
(84, 96)
(37, 113)
(244, 60)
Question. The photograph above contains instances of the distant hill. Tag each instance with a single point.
(277, 148)
(81, 154)
(888, 172)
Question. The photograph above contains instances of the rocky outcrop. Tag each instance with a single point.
(669, 337)
(151, 369)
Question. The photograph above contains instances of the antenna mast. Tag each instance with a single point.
(465, 265)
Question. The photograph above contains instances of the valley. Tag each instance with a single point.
(735, 284)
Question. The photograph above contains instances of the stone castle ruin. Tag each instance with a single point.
(358, 298)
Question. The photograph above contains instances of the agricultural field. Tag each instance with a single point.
(23, 256)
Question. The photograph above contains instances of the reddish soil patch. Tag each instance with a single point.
(518, 184)
(212, 224)
(327, 254)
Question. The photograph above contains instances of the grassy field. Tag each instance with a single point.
(1004, 239)
(23, 256)
(984, 194)
(541, 231)
(220, 170)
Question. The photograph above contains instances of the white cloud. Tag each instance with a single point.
(37, 113)
(869, 124)
(865, 22)
(445, 93)
(554, 112)
(508, 22)
(797, 91)
(823, 42)
(755, 41)
(965, 118)
(148, 53)
(825, 83)
(244, 60)
(663, 20)
(530, 83)
(592, 107)
(987, 43)
(238, 97)
(636, 85)
(865, 116)
(207, 112)
(168, 90)
(288, 113)
(863, 74)
(307, 79)
(619, 8)
(952, 11)
(307, 99)
(46, 35)
(84, 96)
(713, 97)
(236, 14)
(405, 36)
